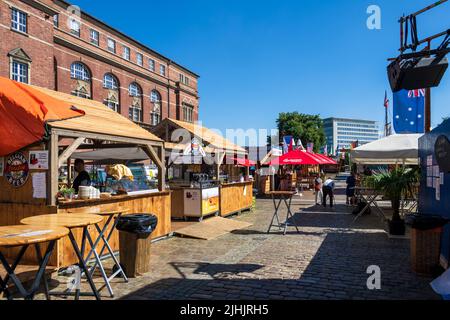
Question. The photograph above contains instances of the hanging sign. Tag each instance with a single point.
(38, 160)
(17, 170)
(2, 166)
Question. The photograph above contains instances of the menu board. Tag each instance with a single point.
(442, 153)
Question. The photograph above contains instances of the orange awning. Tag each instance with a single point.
(24, 111)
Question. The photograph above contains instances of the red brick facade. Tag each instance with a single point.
(50, 50)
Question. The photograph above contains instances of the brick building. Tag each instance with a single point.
(49, 43)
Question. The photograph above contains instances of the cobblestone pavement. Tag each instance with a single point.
(327, 260)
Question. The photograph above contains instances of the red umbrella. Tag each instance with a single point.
(297, 157)
(244, 162)
(327, 159)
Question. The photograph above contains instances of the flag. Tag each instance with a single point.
(288, 144)
(386, 100)
(310, 147)
(409, 109)
(325, 150)
(300, 145)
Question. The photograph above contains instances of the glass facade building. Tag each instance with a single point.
(341, 133)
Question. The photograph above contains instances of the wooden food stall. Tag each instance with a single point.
(199, 159)
(29, 179)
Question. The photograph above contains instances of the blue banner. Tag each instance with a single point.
(409, 109)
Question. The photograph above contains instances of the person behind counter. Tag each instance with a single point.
(83, 178)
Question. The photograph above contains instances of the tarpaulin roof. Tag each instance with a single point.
(243, 162)
(24, 111)
(327, 159)
(298, 157)
(395, 149)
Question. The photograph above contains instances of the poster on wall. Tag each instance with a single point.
(38, 160)
(2, 166)
(16, 169)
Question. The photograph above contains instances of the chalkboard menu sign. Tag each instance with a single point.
(442, 153)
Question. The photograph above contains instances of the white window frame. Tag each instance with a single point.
(112, 105)
(22, 67)
(138, 90)
(126, 53)
(140, 59)
(94, 41)
(113, 48)
(162, 70)
(188, 113)
(80, 74)
(77, 24)
(135, 114)
(111, 83)
(18, 24)
(151, 64)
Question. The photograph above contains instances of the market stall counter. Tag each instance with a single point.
(235, 197)
(30, 179)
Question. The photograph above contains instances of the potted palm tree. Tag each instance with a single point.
(395, 184)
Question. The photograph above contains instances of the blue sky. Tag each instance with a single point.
(259, 58)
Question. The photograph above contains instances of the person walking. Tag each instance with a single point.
(328, 189)
(318, 184)
(350, 191)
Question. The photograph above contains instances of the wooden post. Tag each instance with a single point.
(162, 170)
(52, 173)
(70, 150)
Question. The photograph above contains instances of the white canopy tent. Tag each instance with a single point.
(395, 149)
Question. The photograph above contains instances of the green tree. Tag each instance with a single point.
(308, 128)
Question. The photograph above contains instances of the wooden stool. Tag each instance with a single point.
(73, 221)
(283, 195)
(24, 236)
(101, 236)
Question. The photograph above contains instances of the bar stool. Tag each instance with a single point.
(24, 236)
(71, 222)
(284, 197)
(103, 235)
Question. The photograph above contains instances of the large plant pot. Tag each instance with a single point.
(397, 227)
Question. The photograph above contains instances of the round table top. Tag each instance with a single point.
(282, 193)
(103, 212)
(20, 235)
(68, 220)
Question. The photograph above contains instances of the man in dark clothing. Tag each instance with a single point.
(350, 191)
(83, 178)
(328, 188)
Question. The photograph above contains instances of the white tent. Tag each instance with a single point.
(395, 149)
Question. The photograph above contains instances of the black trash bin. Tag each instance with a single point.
(135, 242)
(425, 242)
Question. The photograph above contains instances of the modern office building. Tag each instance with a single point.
(51, 44)
(341, 133)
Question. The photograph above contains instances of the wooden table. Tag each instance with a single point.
(73, 221)
(283, 197)
(24, 236)
(109, 215)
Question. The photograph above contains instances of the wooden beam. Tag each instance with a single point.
(148, 149)
(105, 137)
(52, 173)
(69, 151)
(162, 170)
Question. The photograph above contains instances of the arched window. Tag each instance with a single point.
(155, 113)
(82, 80)
(110, 82)
(135, 90)
(80, 72)
(112, 100)
(135, 111)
